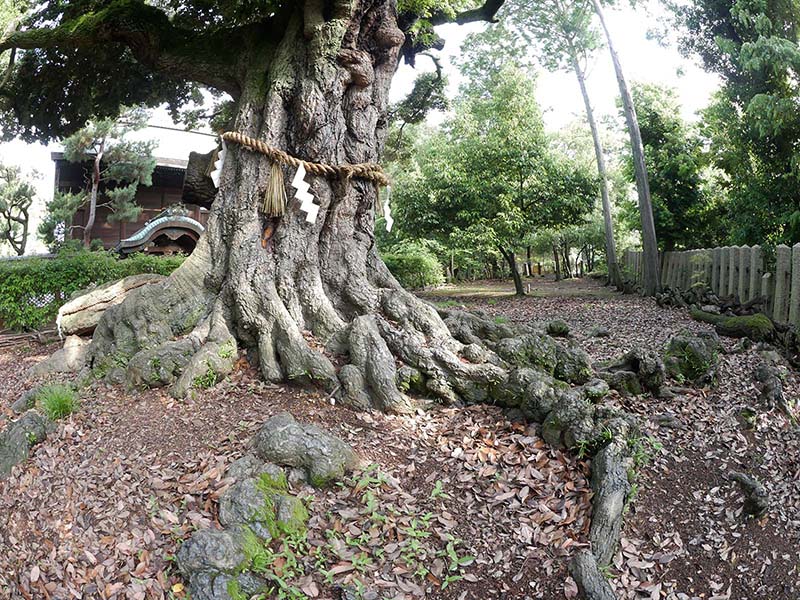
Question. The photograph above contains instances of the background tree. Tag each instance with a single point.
(16, 197)
(565, 38)
(490, 174)
(651, 279)
(311, 79)
(118, 167)
(687, 213)
(753, 124)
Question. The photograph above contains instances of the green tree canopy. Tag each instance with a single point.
(686, 214)
(76, 60)
(489, 176)
(754, 123)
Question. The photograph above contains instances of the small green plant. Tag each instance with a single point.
(235, 590)
(446, 303)
(642, 449)
(500, 319)
(605, 571)
(451, 579)
(456, 561)
(583, 447)
(226, 351)
(633, 493)
(438, 491)
(206, 380)
(57, 400)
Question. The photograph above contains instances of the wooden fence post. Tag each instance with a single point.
(723, 271)
(744, 272)
(686, 274)
(733, 270)
(767, 291)
(670, 259)
(715, 262)
(794, 297)
(756, 270)
(673, 268)
(783, 267)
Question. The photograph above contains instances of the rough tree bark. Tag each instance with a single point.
(530, 261)
(651, 280)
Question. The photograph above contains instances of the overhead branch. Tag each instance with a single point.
(151, 37)
(486, 12)
(415, 44)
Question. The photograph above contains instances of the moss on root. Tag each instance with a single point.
(757, 327)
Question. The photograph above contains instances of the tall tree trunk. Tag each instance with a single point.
(565, 260)
(556, 262)
(614, 276)
(511, 259)
(25, 223)
(452, 268)
(651, 278)
(530, 262)
(89, 225)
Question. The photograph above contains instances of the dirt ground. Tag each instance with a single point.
(102, 506)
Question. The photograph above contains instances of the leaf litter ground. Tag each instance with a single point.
(451, 503)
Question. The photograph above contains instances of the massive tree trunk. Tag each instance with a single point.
(651, 280)
(314, 300)
(614, 275)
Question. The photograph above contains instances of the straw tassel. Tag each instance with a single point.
(275, 196)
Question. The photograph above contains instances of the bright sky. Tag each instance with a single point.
(643, 60)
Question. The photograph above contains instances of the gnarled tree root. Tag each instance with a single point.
(187, 332)
(591, 583)
(611, 488)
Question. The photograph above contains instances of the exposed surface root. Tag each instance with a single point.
(396, 345)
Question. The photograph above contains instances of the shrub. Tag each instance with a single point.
(57, 401)
(32, 290)
(414, 265)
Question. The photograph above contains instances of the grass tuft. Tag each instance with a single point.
(57, 400)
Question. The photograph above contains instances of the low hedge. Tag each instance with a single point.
(32, 290)
(414, 266)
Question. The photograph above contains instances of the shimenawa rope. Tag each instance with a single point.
(274, 203)
(369, 171)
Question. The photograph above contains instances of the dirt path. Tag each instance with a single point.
(101, 507)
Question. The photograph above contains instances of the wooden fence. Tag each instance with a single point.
(732, 271)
